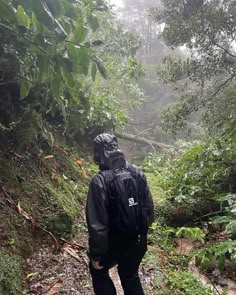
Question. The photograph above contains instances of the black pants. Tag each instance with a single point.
(127, 254)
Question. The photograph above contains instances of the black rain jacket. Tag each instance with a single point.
(97, 213)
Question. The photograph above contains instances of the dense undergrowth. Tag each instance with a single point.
(68, 72)
(38, 189)
(195, 196)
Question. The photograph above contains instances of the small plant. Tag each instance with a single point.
(195, 233)
(10, 274)
(184, 283)
(206, 256)
(162, 236)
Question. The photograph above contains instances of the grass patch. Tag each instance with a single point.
(11, 267)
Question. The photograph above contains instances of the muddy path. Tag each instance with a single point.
(62, 273)
(65, 272)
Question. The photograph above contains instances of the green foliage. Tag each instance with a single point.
(195, 234)
(185, 283)
(163, 236)
(55, 50)
(229, 201)
(11, 267)
(198, 182)
(206, 79)
(204, 170)
(219, 252)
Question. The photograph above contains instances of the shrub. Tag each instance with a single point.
(10, 274)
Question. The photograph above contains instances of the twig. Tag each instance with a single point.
(212, 282)
(226, 50)
(77, 44)
(219, 88)
(143, 131)
(206, 215)
(24, 78)
(22, 36)
(71, 252)
(59, 281)
(29, 218)
(28, 40)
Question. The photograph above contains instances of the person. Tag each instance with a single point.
(119, 211)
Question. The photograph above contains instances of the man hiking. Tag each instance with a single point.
(119, 211)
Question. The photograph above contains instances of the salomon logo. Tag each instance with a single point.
(132, 203)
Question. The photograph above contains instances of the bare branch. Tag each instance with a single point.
(22, 36)
(220, 87)
(154, 144)
(226, 50)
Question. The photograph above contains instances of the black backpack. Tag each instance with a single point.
(125, 197)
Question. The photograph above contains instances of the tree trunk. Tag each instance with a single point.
(154, 144)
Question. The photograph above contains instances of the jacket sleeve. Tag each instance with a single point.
(97, 219)
(148, 201)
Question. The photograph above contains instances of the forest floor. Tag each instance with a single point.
(41, 185)
(66, 272)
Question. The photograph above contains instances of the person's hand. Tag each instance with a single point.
(96, 265)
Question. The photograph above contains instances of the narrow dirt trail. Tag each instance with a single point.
(65, 272)
(54, 273)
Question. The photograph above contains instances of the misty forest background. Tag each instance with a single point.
(160, 74)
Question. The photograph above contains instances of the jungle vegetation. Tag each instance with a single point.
(164, 70)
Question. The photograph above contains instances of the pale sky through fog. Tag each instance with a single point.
(116, 2)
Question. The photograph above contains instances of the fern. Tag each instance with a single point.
(205, 256)
(194, 233)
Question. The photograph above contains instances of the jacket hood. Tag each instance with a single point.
(107, 152)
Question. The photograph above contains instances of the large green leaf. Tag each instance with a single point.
(69, 9)
(60, 32)
(93, 22)
(70, 80)
(97, 43)
(42, 64)
(80, 33)
(93, 71)
(40, 40)
(80, 58)
(7, 12)
(101, 67)
(56, 7)
(43, 13)
(22, 17)
(25, 88)
(38, 26)
(55, 85)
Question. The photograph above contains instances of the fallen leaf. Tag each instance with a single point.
(84, 172)
(72, 252)
(64, 176)
(55, 287)
(49, 157)
(12, 242)
(31, 276)
(79, 161)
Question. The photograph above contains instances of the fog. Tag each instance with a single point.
(117, 2)
(135, 16)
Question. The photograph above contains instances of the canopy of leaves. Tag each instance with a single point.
(207, 30)
(54, 50)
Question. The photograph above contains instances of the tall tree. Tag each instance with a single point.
(58, 66)
(207, 30)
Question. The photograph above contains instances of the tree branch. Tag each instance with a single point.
(226, 50)
(221, 86)
(23, 36)
(142, 140)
